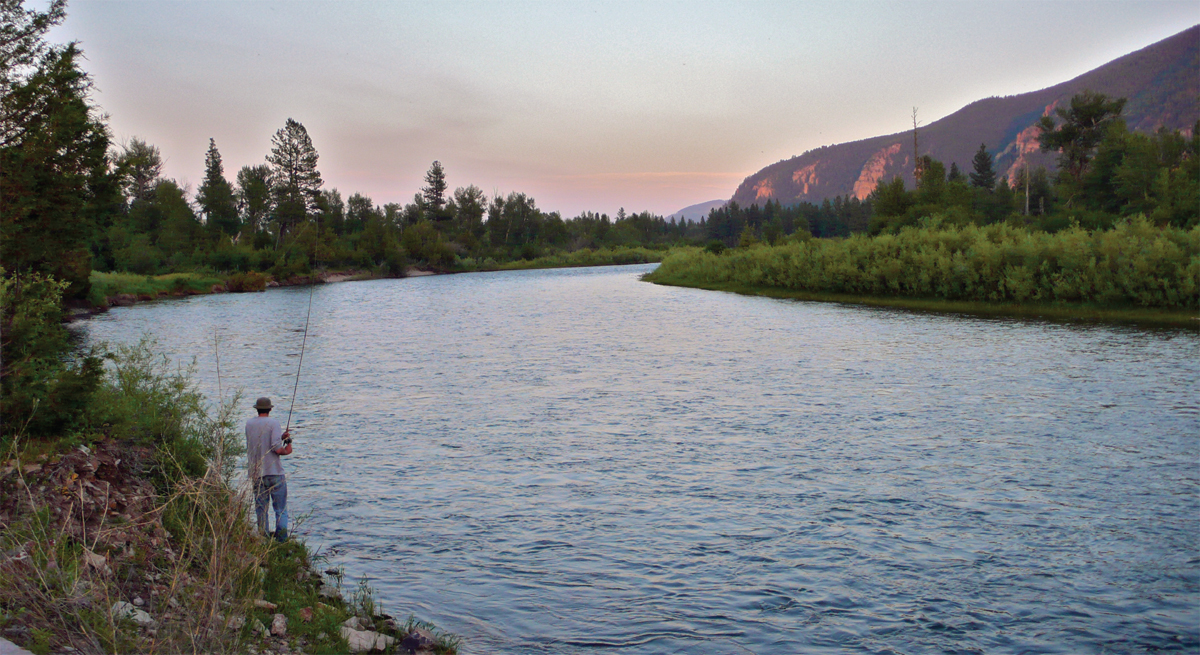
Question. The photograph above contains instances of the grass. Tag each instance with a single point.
(1048, 311)
(109, 285)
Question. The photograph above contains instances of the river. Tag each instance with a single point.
(573, 460)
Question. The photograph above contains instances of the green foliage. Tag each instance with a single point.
(1135, 263)
(254, 197)
(1083, 127)
(424, 243)
(110, 285)
(295, 181)
(215, 195)
(246, 282)
(54, 165)
(584, 257)
(150, 402)
(983, 176)
(433, 194)
(46, 385)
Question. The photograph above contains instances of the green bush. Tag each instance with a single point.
(46, 385)
(246, 282)
(148, 401)
(1134, 263)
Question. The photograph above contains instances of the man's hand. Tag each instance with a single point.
(286, 448)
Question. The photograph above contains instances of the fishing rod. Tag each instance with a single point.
(303, 341)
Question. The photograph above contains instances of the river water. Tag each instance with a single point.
(573, 460)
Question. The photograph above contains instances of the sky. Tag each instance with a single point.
(584, 106)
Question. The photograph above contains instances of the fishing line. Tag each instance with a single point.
(301, 364)
(217, 352)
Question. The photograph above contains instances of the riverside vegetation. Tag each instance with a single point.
(123, 531)
(1115, 236)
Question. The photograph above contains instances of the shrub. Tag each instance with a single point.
(46, 386)
(1135, 263)
(246, 282)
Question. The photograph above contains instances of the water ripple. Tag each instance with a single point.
(570, 461)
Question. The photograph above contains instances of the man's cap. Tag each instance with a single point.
(263, 403)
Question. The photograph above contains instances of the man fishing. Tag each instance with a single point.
(266, 442)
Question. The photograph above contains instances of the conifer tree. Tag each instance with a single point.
(53, 162)
(983, 176)
(1082, 129)
(433, 194)
(215, 195)
(295, 181)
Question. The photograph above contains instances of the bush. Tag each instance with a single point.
(46, 386)
(1135, 263)
(246, 282)
(150, 402)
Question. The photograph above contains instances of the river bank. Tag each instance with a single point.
(96, 559)
(125, 289)
(1062, 312)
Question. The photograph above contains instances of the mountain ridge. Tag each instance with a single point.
(1160, 81)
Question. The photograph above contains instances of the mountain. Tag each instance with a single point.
(1161, 83)
(695, 212)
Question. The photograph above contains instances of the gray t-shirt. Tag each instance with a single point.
(263, 436)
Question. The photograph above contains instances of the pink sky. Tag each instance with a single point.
(582, 105)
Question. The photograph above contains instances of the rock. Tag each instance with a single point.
(139, 602)
(97, 562)
(265, 605)
(259, 628)
(306, 614)
(329, 591)
(123, 610)
(356, 623)
(418, 639)
(236, 622)
(361, 641)
(279, 625)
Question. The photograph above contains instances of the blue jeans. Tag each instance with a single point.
(274, 489)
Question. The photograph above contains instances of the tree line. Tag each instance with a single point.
(1106, 174)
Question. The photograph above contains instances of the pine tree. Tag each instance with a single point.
(51, 165)
(433, 194)
(1081, 131)
(215, 195)
(983, 176)
(295, 181)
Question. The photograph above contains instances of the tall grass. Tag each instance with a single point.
(110, 285)
(1133, 264)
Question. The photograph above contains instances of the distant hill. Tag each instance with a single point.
(1161, 83)
(695, 212)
